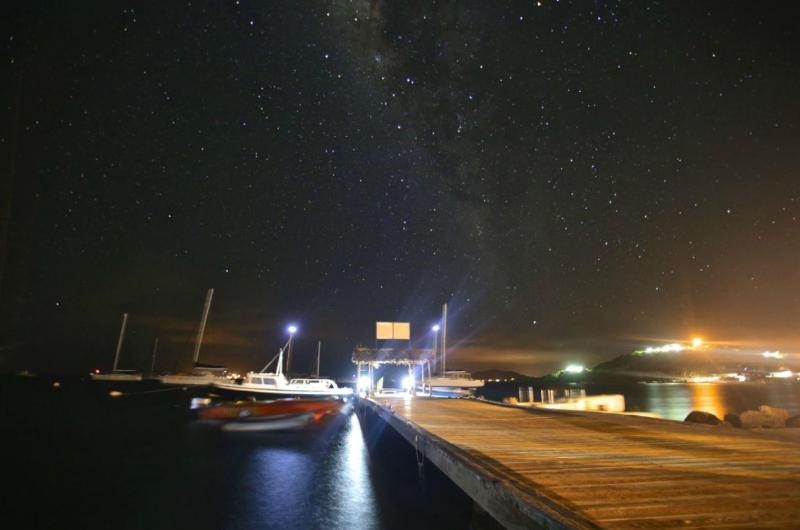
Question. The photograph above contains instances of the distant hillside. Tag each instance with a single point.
(501, 374)
(687, 363)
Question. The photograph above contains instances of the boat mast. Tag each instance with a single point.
(279, 371)
(119, 341)
(202, 329)
(444, 338)
(319, 348)
(153, 359)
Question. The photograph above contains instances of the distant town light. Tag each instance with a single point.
(697, 342)
(704, 379)
(783, 374)
(675, 347)
(574, 368)
(292, 329)
(773, 355)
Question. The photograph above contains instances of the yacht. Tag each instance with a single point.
(276, 384)
(201, 374)
(454, 383)
(117, 374)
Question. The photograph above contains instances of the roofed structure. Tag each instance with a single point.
(362, 355)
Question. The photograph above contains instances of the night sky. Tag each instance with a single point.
(574, 179)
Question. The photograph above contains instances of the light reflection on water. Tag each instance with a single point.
(322, 482)
(675, 400)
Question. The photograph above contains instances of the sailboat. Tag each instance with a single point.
(201, 374)
(451, 383)
(117, 374)
(275, 383)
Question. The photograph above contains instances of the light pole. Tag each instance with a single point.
(292, 329)
(435, 329)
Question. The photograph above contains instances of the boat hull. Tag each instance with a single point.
(116, 377)
(187, 380)
(268, 415)
(275, 424)
(451, 392)
(283, 392)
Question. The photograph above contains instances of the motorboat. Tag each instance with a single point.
(276, 384)
(265, 415)
(453, 384)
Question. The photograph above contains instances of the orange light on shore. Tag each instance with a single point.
(697, 342)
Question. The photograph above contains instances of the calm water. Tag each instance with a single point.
(675, 400)
(76, 458)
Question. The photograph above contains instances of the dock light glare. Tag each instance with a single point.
(408, 383)
(362, 383)
(435, 327)
(574, 368)
(292, 329)
(697, 342)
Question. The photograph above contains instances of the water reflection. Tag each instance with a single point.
(707, 397)
(675, 400)
(314, 479)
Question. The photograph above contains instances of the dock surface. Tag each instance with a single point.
(560, 469)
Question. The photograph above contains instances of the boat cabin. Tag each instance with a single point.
(314, 383)
(260, 378)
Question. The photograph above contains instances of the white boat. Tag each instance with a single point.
(202, 375)
(276, 384)
(454, 383)
(450, 383)
(195, 379)
(117, 374)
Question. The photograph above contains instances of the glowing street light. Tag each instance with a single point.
(292, 329)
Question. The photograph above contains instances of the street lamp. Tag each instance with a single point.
(435, 328)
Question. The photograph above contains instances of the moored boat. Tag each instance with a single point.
(266, 415)
(276, 384)
(453, 384)
(117, 374)
(201, 374)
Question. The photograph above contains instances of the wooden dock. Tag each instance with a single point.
(558, 469)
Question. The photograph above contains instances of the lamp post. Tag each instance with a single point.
(292, 329)
(435, 329)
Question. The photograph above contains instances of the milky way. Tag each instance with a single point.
(569, 177)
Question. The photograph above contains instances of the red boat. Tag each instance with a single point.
(266, 415)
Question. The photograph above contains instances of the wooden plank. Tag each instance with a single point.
(615, 471)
